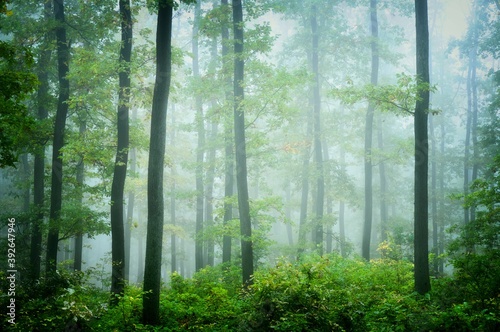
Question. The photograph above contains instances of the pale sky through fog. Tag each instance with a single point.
(455, 17)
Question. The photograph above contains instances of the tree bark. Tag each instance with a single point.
(173, 237)
(209, 193)
(318, 153)
(434, 212)
(58, 142)
(421, 270)
(343, 252)
(152, 271)
(228, 146)
(199, 261)
(239, 139)
(383, 184)
(39, 162)
(367, 228)
(80, 178)
(120, 169)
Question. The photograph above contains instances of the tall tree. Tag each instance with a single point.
(200, 126)
(318, 153)
(120, 169)
(152, 269)
(228, 143)
(58, 142)
(239, 139)
(39, 162)
(421, 213)
(80, 178)
(367, 228)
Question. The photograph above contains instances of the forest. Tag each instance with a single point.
(250, 165)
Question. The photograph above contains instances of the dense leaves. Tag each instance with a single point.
(16, 82)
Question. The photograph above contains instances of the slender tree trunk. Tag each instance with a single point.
(120, 170)
(199, 261)
(130, 210)
(367, 228)
(343, 252)
(58, 143)
(228, 145)
(210, 176)
(304, 199)
(473, 86)
(39, 162)
(26, 174)
(467, 143)
(441, 196)
(173, 189)
(152, 272)
(140, 262)
(318, 153)
(209, 194)
(128, 226)
(421, 270)
(329, 204)
(288, 212)
(80, 178)
(241, 155)
(383, 184)
(434, 212)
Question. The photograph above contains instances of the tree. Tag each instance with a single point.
(58, 142)
(152, 268)
(239, 140)
(228, 143)
(367, 229)
(39, 162)
(120, 169)
(421, 272)
(318, 152)
(199, 261)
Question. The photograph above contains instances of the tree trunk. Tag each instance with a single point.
(152, 271)
(58, 143)
(473, 86)
(383, 184)
(434, 212)
(130, 216)
(199, 261)
(39, 162)
(367, 228)
(441, 196)
(241, 155)
(228, 147)
(304, 199)
(467, 143)
(80, 178)
(288, 212)
(173, 238)
(120, 170)
(343, 252)
(209, 192)
(318, 153)
(421, 271)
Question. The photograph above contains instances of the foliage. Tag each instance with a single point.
(475, 254)
(65, 301)
(328, 293)
(16, 82)
(399, 98)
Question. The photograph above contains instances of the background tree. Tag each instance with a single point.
(240, 143)
(367, 228)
